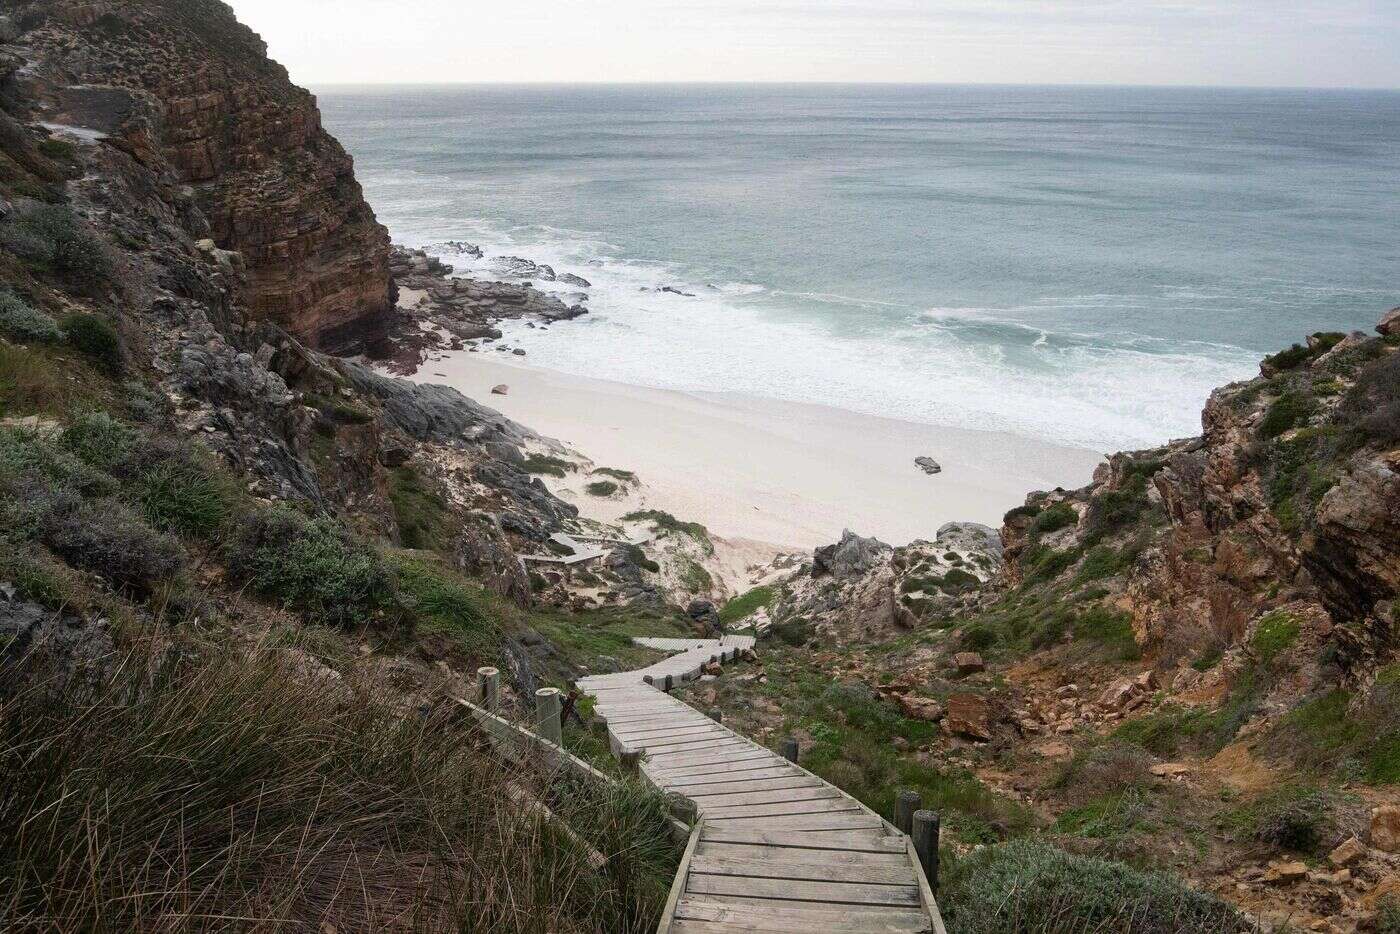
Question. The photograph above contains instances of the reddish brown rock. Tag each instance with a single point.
(190, 92)
(919, 708)
(1385, 828)
(969, 715)
(969, 663)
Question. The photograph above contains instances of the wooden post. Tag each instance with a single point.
(599, 726)
(668, 685)
(681, 807)
(717, 715)
(790, 749)
(904, 807)
(630, 759)
(547, 706)
(490, 681)
(925, 837)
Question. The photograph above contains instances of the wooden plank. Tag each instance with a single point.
(926, 900)
(814, 919)
(852, 841)
(755, 777)
(793, 854)
(818, 871)
(830, 893)
(678, 884)
(738, 752)
(688, 728)
(763, 795)
(696, 740)
(837, 805)
(685, 773)
(845, 820)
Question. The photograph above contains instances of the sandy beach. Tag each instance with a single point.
(788, 474)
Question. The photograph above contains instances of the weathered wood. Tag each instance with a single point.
(790, 749)
(813, 855)
(818, 920)
(851, 842)
(547, 708)
(668, 914)
(904, 807)
(490, 686)
(844, 820)
(765, 796)
(630, 759)
(834, 805)
(831, 893)
(925, 837)
(823, 871)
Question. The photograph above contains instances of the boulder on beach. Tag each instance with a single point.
(928, 465)
(500, 389)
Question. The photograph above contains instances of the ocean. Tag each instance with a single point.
(1076, 264)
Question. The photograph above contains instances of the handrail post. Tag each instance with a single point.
(925, 836)
(547, 706)
(490, 680)
(717, 715)
(904, 807)
(630, 759)
(790, 749)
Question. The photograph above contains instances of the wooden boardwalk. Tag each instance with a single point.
(775, 848)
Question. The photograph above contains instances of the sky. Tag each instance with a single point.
(1289, 43)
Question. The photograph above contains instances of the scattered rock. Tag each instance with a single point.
(1285, 872)
(1170, 769)
(500, 389)
(1390, 322)
(920, 708)
(1347, 852)
(928, 465)
(969, 663)
(969, 715)
(518, 352)
(850, 557)
(1385, 828)
(1053, 749)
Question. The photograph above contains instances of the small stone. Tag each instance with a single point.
(919, 708)
(500, 389)
(1289, 871)
(928, 465)
(1052, 750)
(1347, 852)
(518, 352)
(1170, 769)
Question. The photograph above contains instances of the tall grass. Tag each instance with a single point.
(217, 789)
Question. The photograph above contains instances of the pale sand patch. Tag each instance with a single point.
(779, 472)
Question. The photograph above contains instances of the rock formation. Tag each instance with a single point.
(190, 93)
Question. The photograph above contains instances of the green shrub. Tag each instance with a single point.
(59, 149)
(95, 337)
(312, 566)
(1020, 512)
(1288, 359)
(104, 537)
(101, 442)
(1111, 628)
(957, 579)
(978, 637)
(1289, 410)
(185, 497)
(1388, 915)
(793, 632)
(694, 577)
(601, 488)
(1058, 516)
(1373, 402)
(1297, 818)
(1028, 887)
(547, 465)
(625, 476)
(669, 523)
(444, 602)
(638, 557)
(23, 323)
(51, 235)
(747, 604)
(1043, 564)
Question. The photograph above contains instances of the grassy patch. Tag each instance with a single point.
(694, 577)
(279, 786)
(666, 522)
(1296, 817)
(1291, 409)
(601, 488)
(97, 339)
(422, 514)
(623, 476)
(747, 604)
(1274, 635)
(548, 465)
(1110, 628)
(445, 602)
(1033, 888)
(1058, 516)
(22, 322)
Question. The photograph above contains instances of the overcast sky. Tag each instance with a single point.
(1320, 43)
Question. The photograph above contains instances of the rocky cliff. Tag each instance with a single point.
(191, 94)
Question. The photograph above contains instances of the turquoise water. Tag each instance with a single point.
(1078, 264)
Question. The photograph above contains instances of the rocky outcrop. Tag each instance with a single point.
(190, 93)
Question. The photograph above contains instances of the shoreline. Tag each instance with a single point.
(789, 476)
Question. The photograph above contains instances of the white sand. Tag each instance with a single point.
(784, 473)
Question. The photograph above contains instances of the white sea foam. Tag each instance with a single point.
(927, 367)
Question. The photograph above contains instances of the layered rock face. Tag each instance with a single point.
(188, 91)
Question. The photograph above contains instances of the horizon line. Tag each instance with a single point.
(829, 83)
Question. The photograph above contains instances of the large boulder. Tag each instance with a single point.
(970, 716)
(1390, 322)
(850, 557)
